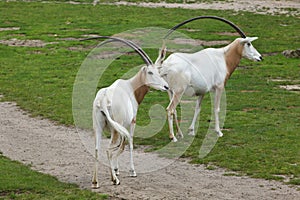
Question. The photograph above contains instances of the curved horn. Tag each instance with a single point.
(129, 43)
(207, 17)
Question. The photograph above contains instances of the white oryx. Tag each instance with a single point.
(198, 73)
(115, 107)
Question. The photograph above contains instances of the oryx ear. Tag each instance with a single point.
(144, 69)
(253, 38)
(161, 55)
(248, 39)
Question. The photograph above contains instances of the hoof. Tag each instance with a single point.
(132, 173)
(116, 182)
(191, 132)
(179, 135)
(95, 185)
(220, 134)
(173, 139)
(117, 171)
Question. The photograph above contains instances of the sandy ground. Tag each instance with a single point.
(59, 151)
(290, 7)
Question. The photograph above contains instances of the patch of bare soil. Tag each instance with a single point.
(291, 53)
(288, 7)
(200, 42)
(58, 150)
(25, 43)
(10, 29)
(228, 34)
(295, 88)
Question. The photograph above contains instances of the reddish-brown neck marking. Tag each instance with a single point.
(140, 93)
(233, 55)
(139, 87)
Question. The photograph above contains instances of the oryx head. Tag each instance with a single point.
(153, 78)
(150, 74)
(248, 50)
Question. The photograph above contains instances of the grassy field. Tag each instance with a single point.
(20, 182)
(262, 122)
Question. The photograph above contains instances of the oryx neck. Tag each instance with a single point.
(139, 87)
(233, 55)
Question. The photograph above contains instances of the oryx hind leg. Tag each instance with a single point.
(98, 126)
(191, 129)
(114, 177)
(113, 174)
(115, 140)
(112, 155)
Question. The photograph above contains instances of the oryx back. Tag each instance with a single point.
(200, 72)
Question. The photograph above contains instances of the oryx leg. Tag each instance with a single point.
(95, 183)
(197, 111)
(217, 102)
(171, 110)
(113, 174)
(178, 130)
(98, 126)
(115, 139)
(112, 156)
(132, 127)
(115, 165)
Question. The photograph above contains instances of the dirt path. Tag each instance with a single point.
(57, 150)
(289, 7)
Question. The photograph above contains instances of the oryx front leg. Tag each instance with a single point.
(179, 132)
(132, 127)
(170, 122)
(197, 111)
(218, 94)
(171, 112)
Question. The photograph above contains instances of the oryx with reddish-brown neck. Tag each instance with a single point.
(201, 72)
(115, 107)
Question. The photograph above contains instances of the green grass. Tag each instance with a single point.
(262, 122)
(20, 182)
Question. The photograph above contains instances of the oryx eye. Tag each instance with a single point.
(248, 44)
(150, 73)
